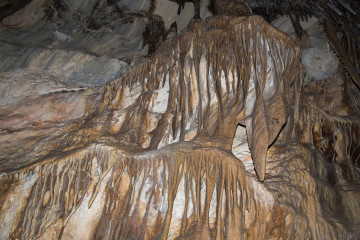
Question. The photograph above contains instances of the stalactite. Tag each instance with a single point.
(332, 127)
(126, 185)
(257, 57)
(150, 158)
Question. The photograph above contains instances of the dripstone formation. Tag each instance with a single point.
(214, 136)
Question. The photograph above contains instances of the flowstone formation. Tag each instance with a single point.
(149, 155)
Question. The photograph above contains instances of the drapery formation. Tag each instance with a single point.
(226, 71)
(179, 191)
(149, 155)
(199, 85)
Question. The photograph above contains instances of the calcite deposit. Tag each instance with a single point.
(214, 136)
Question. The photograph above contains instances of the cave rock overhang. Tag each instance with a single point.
(220, 72)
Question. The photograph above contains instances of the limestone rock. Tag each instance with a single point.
(78, 26)
(82, 27)
(70, 67)
(318, 58)
(159, 153)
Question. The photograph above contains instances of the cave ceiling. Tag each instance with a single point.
(179, 119)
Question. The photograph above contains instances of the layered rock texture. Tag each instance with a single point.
(213, 136)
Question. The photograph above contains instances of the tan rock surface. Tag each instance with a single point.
(149, 155)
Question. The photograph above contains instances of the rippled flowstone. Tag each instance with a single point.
(181, 191)
(149, 155)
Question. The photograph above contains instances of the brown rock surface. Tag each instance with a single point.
(149, 155)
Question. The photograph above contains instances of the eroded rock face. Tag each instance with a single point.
(70, 67)
(318, 58)
(149, 155)
(328, 121)
(199, 86)
(100, 28)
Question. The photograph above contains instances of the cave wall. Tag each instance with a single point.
(220, 133)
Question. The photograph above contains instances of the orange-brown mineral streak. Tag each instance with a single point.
(176, 167)
(193, 171)
(197, 53)
(219, 198)
(137, 220)
(237, 228)
(158, 133)
(216, 67)
(242, 73)
(184, 221)
(206, 122)
(198, 177)
(183, 89)
(143, 228)
(211, 167)
(96, 190)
